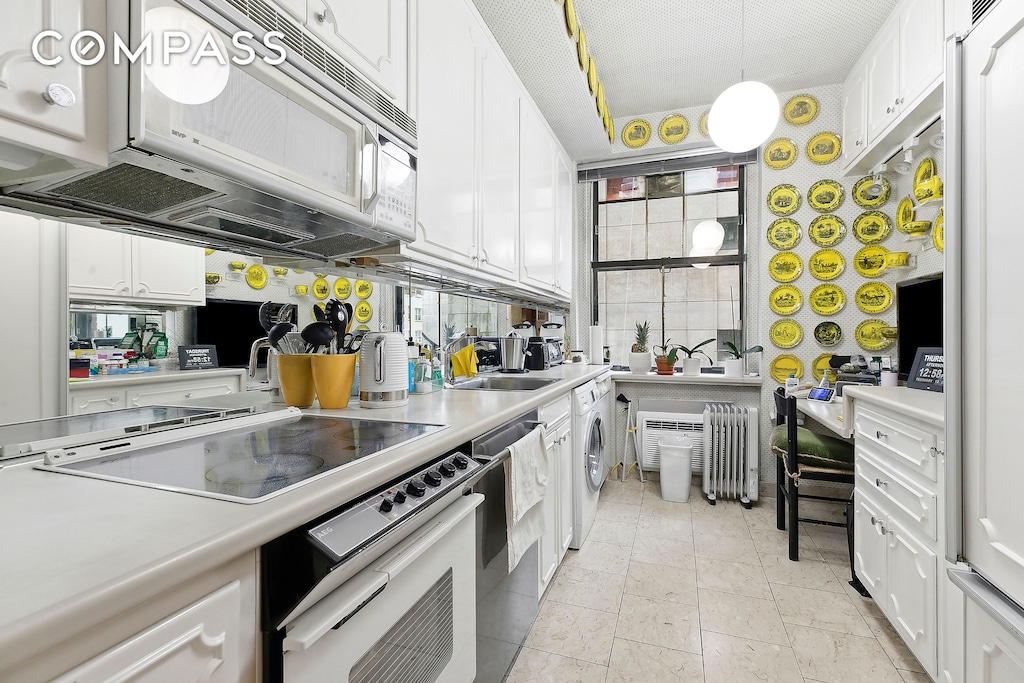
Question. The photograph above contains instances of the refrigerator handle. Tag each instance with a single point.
(952, 285)
(979, 591)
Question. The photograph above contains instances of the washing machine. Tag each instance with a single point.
(591, 410)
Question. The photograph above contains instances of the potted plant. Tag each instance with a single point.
(639, 356)
(665, 358)
(691, 365)
(734, 365)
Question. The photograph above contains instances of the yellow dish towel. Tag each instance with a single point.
(464, 362)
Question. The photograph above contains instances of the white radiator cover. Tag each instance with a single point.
(654, 425)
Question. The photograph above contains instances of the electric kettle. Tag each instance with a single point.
(383, 370)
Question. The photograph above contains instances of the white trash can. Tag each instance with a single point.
(676, 454)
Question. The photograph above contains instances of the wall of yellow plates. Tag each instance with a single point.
(584, 56)
(821, 268)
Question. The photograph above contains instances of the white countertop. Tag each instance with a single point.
(626, 376)
(153, 377)
(78, 551)
(927, 406)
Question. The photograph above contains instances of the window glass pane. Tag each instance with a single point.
(623, 188)
(708, 179)
(668, 185)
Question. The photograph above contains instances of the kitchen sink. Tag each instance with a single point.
(506, 383)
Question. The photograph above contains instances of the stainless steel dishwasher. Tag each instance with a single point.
(506, 603)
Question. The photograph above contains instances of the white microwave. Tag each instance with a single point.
(266, 160)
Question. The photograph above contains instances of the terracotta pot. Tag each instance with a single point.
(663, 366)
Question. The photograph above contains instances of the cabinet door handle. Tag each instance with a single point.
(874, 522)
(112, 400)
(188, 395)
(936, 452)
(60, 95)
(858, 143)
(888, 110)
(325, 16)
(881, 435)
(880, 483)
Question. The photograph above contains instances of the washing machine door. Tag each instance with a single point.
(593, 454)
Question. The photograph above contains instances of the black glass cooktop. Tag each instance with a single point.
(253, 463)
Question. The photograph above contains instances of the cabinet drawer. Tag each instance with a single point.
(97, 400)
(175, 392)
(914, 503)
(914, 444)
(554, 412)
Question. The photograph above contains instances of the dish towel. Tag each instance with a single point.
(526, 481)
(464, 362)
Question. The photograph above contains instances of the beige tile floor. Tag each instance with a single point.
(689, 592)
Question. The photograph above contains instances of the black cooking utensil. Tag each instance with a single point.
(266, 311)
(319, 314)
(316, 335)
(277, 333)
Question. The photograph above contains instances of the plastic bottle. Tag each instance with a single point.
(791, 384)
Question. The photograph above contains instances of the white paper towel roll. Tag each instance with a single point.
(596, 345)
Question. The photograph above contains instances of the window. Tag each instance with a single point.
(641, 268)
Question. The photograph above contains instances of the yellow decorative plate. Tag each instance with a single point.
(321, 288)
(582, 51)
(279, 271)
(702, 125)
(364, 289)
(611, 130)
(828, 333)
(874, 297)
(939, 231)
(784, 233)
(825, 196)
(820, 365)
(827, 299)
(784, 200)
(636, 133)
(826, 264)
(824, 148)
(904, 214)
(784, 365)
(871, 227)
(602, 104)
(780, 153)
(237, 266)
(786, 333)
(363, 312)
(785, 266)
(873, 335)
(212, 278)
(673, 128)
(827, 230)
(785, 300)
(800, 109)
(572, 26)
(869, 261)
(870, 192)
(927, 185)
(342, 288)
(256, 276)
(209, 251)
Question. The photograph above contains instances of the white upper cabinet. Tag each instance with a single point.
(111, 266)
(883, 79)
(537, 204)
(564, 225)
(895, 89)
(499, 169)
(372, 37)
(448, 92)
(52, 117)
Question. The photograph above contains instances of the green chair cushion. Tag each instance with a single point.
(814, 449)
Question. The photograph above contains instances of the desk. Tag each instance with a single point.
(836, 415)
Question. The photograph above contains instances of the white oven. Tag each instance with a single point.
(409, 617)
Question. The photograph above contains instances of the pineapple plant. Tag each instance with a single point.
(640, 356)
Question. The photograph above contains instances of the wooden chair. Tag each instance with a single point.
(818, 457)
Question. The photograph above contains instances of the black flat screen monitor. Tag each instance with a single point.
(231, 326)
(918, 318)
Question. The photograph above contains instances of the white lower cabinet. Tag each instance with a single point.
(992, 654)
(198, 644)
(898, 524)
(110, 395)
(558, 496)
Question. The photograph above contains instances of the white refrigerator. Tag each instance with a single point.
(985, 338)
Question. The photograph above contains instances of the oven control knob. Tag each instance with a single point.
(460, 462)
(386, 505)
(416, 489)
(432, 478)
(399, 498)
(447, 470)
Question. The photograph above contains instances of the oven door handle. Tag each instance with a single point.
(346, 600)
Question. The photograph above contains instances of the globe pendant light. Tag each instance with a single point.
(745, 114)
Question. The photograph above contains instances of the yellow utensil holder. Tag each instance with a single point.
(332, 378)
(295, 374)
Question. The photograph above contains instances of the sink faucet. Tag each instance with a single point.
(457, 344)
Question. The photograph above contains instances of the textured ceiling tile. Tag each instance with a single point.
(667, 55)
